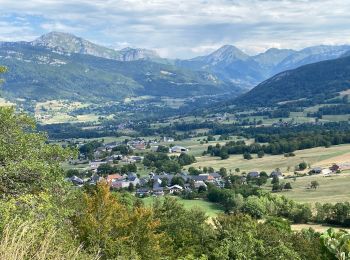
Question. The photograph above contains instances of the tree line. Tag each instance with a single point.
(280, 144)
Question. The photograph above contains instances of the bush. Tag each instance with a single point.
(289, 154)
(302, 166)
(247, 156)
(261, 154)
(224, 155)
(277, 187)
(288, 186)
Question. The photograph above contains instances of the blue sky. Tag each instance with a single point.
(182, 28)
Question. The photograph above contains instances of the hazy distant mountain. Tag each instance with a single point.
(346, 54)
(37, 72)
(311, 55)
(68, 43)
(232, 65)
(221, 57)
(311, 83)
(272, 57)
(229, 63)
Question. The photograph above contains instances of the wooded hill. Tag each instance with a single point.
(313, 83)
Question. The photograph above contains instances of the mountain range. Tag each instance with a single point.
(37, 73)
(232, 65)
(61, 65)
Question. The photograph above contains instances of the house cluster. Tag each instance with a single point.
(173, 149)
(115, 157)
(154, 184)
(219, 117)
(137, 144)
(283, 124)
(160, 184)
(116, 180)
(255, 174)
(336, 167)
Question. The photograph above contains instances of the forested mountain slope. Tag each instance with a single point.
(314, 82)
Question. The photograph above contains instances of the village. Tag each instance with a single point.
(151, 182)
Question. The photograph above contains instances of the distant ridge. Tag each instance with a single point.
(70, 43)
(42, 72)
(233, 65)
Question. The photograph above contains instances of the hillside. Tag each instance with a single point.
(39, 73)
(312, 83)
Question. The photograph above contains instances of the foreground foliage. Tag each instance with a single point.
(28, 163)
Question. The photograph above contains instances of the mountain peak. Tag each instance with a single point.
(56, 39)
(229, 51)
(228, 47)
(224, 55)
(69, 43)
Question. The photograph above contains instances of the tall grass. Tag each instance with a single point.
(26, 241)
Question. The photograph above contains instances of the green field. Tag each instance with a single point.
(57, 111)
(196, 148)
(332, 189)
(319, 156)
(211, 209)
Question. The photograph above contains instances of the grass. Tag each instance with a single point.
(28, 241)
(336, 118)
(319, 156)
(316, 227)
(211, 209)
(57, 111)
(196, 148)
(332, 189)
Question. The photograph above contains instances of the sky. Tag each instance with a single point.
(182, 28)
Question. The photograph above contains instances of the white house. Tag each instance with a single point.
(168, 139)
(95, 164)
(178, 149)
(175, 188)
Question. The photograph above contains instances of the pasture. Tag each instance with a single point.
(319, 156)
(332, 189)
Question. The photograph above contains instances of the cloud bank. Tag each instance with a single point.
(182, 28)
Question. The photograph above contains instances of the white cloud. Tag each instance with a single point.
(183, 28)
